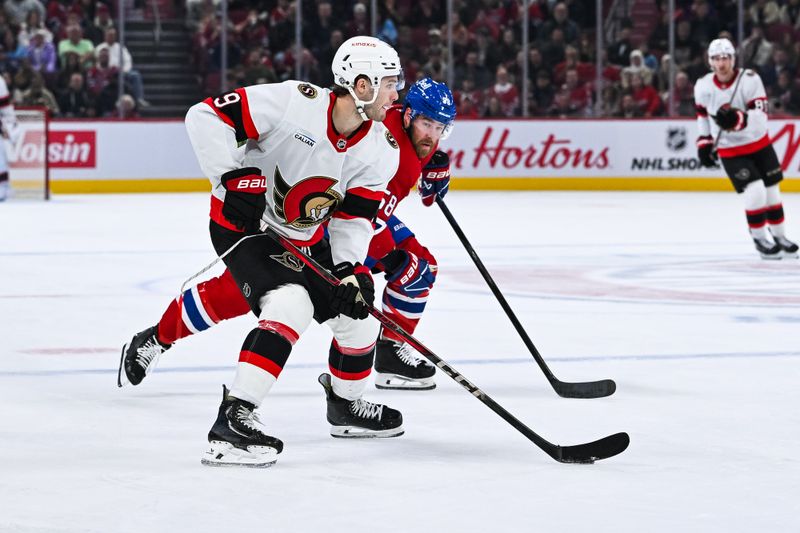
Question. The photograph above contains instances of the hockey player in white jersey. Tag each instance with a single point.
(10, 133)
(291, 156)
(731, 106)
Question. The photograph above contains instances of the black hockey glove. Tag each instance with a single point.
(245, 198)
(705, 152)
(730, 118)
(356, 291)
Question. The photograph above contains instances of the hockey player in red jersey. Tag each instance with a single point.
(426, 116)
(736, 101)
(292, 156)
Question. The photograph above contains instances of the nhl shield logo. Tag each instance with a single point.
(307, 203)
(341, 144)
(676, 139)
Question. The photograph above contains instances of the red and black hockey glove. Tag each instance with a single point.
(705, 151)
(730, 118)
(435, 179)
(408, 273)
(245, 198)
(355, 292)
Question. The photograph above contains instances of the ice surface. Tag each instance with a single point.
(663, 292)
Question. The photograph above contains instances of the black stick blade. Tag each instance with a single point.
(587, 389)
(592, 451)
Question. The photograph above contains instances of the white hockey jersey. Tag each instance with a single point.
(710, 94)
(312, 172)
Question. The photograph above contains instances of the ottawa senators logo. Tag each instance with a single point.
(306, 203)
(307, 90)
(391, 140)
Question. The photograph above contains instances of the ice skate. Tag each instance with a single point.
(139, 357)
(360, 418)
(237, 438)
(396, 367)
(788, 248)
(767, 248)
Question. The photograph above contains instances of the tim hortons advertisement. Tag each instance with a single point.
(602, 149)
(88, 156)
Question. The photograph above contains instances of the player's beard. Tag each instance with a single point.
(423, 144)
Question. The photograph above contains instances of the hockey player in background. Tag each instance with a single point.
(734, 101)
(10, 132)
(410, 269)
(292, 156)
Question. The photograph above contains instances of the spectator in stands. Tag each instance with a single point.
(620, 51)
(42, 54)
(494, 108)
(132, 76)
(38, 95)
(428, 13)
(22, 80)
(74, 101)
(790, 13)
(252, 31)
(488, 54)
(562, 107)
(76, 43)
(257, 69)
(70, 64)
(553, 51)
(683, 96)
(580, 96)
(505, 92)
(32, 24)
(572, 61)
(436, 67)
(310, 70)
(543, 94)
(473, 70)
(99, 76)
(659, 37)
(686, 48)
(326, 53)
(637, 66)
(470, 98)
(359, 24)
(610, 106)
(771, 71)
(645, 96)
(18, 10)
(560, 20)
(508, 48)
(765, 12)
(785, 95)
(628, 107)
(11, 52)
(320, 29)
(756, 49)
(705, 26)
(96, 32)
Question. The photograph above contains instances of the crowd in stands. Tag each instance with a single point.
(488, 57)
(64, 55)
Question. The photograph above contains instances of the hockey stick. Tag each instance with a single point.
(580, 453)
(588, 389)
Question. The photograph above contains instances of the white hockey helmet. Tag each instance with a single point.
(365, 56)
(721, 47)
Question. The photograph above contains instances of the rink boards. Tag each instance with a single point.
(156, 156)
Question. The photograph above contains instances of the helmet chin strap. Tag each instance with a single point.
(361, 103)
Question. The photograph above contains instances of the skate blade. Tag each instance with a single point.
(789, 255)
(772, 257)
(353, 432)
(226, 454)
(122, 377)
(396, 382)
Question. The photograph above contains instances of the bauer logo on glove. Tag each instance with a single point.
(435, 179)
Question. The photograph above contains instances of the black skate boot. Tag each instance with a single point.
(767, 249)
(360, 418)
(237, 438)
(140, 356)
(788, 248)
(396, 367)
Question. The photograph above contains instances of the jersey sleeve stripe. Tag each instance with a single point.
(221, 115)
(5, 101)
(355, 206)
(701, 111)
(247, 119)
(368, 194)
